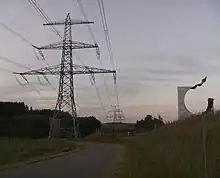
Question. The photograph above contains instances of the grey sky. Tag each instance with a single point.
(157, 45)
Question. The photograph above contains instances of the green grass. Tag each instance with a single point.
(19, 150)
(172, 151)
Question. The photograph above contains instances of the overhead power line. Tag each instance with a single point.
(14, 63)
(100, 100)
(41, 12)
(86, 18)
(105, 28)
(19, 64)
(93, 38)
(107, 38)
(45, 17)
(5, 70)
(15, 33)
(25, 40)
(29, 43)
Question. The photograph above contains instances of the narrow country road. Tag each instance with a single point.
(91, 162)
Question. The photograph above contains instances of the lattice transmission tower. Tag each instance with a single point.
(116, 114)
(66, 70)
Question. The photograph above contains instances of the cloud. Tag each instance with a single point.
(140, 78)
(173, 72)
(16, 89)
(160, 67)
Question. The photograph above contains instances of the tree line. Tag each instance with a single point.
(149, 123)
(19, 120)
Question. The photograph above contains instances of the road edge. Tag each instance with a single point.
(116, 165)
(40, 159)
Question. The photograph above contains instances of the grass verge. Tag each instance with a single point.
(173, 151)
(14, 151)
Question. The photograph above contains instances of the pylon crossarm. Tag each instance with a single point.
(53, 70)
(56, 70)
(80, 69)
(60, 45)
(72, 22)
(69, 21)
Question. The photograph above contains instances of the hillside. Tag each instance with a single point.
(175, 150)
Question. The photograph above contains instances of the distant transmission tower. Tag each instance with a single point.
(116, 114)
(66, 70)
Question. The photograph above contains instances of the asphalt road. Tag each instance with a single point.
(93, 161)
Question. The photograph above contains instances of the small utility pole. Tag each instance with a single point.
(204, 133)
(204, 136)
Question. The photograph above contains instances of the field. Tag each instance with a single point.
(19, 150)
(175, 150)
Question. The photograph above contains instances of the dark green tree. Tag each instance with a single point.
(149, 123)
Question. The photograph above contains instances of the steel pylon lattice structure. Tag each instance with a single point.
(117, 116)
(66, 70)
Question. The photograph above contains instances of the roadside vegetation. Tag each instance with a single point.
(174, 150)
(19, 150)
(24, 132)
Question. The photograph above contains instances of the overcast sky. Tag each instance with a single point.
(157, 45)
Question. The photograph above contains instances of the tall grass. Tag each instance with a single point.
(174, 151)
(19, 150)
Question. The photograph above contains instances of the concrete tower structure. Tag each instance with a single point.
(183, 112)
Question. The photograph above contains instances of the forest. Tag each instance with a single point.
(19, 120)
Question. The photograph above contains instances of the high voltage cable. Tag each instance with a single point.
(41, 12)
(45, 17)
(107, 38)
(21, 66)
(19, 36)
(105, 28)
(100, 99)
(97, 92)
(16, 63)
(5, 70)
(15, 33)
(94, 41)
(22, 38)
(26, 41)
(86, 18)
(47, 20)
